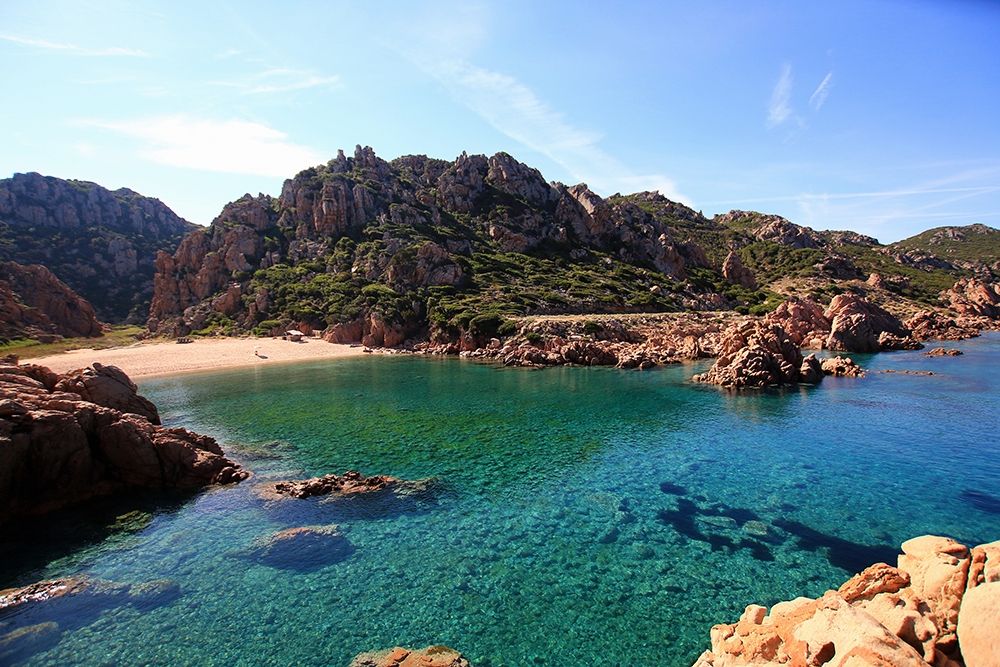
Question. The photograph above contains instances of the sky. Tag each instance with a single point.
(881, 117)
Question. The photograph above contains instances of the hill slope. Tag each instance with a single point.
(100, 243)
(418, 247)
(972, 247)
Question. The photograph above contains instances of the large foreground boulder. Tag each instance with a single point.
(68, 438)
(939, 606)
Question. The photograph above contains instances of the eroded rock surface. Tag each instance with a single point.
(939, 606)
(34, 303)
(68, 438)
(432, 656)
(756, 354)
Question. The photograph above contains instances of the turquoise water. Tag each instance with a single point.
(583, 515)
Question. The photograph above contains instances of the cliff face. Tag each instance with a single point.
(101, 243)
(35, 304)
(369, 244)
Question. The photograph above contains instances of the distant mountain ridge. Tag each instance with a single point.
(380, 251)
(101, 243)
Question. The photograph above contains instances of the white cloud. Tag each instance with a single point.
(516, 111)
(230, 146)
(73, 49)
(280, 80)
(818, 98)
(780, 109)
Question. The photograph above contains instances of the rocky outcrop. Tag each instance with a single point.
(734, 271)
(349, 484)
(432, 656)
(803, 320)
(101, 243)
(938, 606)
(36, 304)
(971, 296)
(856, 324)
(943, 352)
(774, 228)
(756, 354)
(934, 325)
(59, 444)
(842, 367)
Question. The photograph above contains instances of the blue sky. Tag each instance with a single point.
(876, 116)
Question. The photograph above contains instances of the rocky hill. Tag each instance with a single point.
(101, 243)
(975, 248)
(420, 248)
(36, 304)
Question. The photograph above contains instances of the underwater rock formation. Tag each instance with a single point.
(914, 614)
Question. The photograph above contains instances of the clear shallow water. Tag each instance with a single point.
(587, 516)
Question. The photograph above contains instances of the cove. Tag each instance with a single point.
(582, 515)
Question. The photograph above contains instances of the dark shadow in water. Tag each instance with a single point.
(29, 544)
(683, 521)
(847, 555)
(673, 489)
(308, 551)
(33, 627)
(850, 556)
(981, 501)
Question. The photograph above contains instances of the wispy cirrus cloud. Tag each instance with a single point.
(231, 146)
(516, 111)
(73, 49)
(280, 80)
(779, 109)
(818, 98)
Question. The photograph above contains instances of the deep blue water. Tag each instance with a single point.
(585, 515)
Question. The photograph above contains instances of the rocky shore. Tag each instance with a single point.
(939, 606)
(87, 433)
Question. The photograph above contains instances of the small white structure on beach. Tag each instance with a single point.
(294, 335)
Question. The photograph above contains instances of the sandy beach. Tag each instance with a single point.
(152, 359)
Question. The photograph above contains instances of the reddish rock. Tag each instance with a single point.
(979, 626)
(928, 324)
(754, 354)
(734, 271)
(856, 324)
(882, 616)
(35, 303)
(803, 321)
(842, 367)
(432, 656)
(972, 296)
(57, 448)
(350, 483)
(943, 352)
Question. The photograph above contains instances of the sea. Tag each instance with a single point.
(575, 516)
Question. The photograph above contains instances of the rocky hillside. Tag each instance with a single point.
(974, 248)
(418, 248)
(36, 304)
(100, 243)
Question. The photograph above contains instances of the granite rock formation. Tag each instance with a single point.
(938, 606)
(856, 324)
(36, 304)
(99, 242)
(971, 296)
(432, 656)
(65, 439)
(756, 354)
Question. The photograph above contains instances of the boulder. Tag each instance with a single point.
(755, 354)
(979, 626)
(842, 367)
(856, 324)
(734, 271)
(972, 296)
(432, 656)
(803, 321)
(66, 439)
(301, 548)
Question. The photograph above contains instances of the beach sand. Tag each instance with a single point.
(144, 360)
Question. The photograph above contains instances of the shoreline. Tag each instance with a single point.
(146, 360)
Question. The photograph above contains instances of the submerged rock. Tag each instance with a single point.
(932, 609)
(301, 548)
(432, 656)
